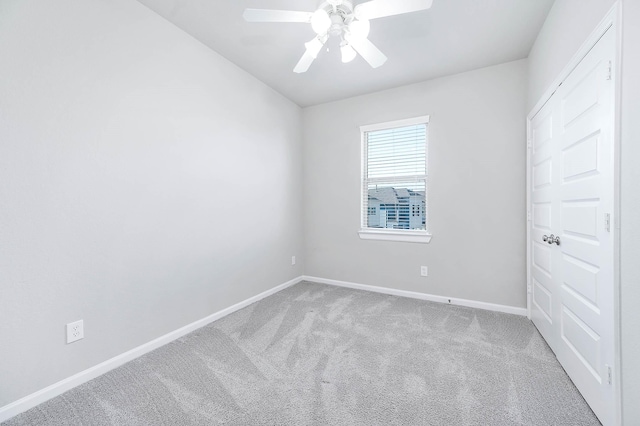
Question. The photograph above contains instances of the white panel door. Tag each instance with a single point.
(585, 278)
(544, 219)
(572, 198)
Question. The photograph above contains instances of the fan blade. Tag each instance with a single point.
(368, 51)
(304, 63)
(313, 47)
(268, 15)
(380, 8)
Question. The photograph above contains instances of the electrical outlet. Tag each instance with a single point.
(75, 331)
(424, 271)
(293, 260)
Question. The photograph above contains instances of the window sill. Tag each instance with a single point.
(403, 236)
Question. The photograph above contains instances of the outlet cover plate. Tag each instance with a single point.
(75, 331)
(424, 271)
(293, 260)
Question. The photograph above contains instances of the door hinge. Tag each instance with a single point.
(609, 374)
(610, 71)
(607, 222)
(529, 143)
(528, 288)
(529, 215)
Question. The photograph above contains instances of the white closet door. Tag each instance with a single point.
(572, 197)
(585, 278)
(544, 220)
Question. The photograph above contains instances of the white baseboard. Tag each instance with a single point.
(36, 398)
(422, 296)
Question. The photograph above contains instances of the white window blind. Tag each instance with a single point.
(394, 177)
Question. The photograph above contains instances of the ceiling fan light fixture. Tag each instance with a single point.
(360, 28)
(348, 54)
(341, 18)
(320, 21)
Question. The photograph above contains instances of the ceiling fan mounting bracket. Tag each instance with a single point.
(336, 4)
(341, 8)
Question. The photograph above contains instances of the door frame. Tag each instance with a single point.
(612, 21)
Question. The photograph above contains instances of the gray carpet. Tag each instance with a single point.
(320, 355)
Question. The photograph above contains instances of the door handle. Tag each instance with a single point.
(551, 239)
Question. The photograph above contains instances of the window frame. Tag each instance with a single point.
(402, 235)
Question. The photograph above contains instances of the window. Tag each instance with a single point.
(394, 181)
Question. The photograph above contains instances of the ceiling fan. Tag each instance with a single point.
(340, 18)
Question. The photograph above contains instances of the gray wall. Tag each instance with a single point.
(476, 191)
(569, 23)
(145, 183)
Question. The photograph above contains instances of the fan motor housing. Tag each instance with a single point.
(341, 14)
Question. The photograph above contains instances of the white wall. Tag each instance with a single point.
(568, 25)
(476, 200)
(145, 183)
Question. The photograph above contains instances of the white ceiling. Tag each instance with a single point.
(453, 36)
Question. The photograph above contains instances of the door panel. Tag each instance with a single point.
(542, 216)
(581, 218)
(584, 94)
(542, 257)
(581, 248)
(582, 278)
(581, 159)
(582, 341)
(542, 299)
(542, 132)
(542, 174)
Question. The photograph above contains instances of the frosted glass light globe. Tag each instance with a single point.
(348, 54)
(320, 21)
